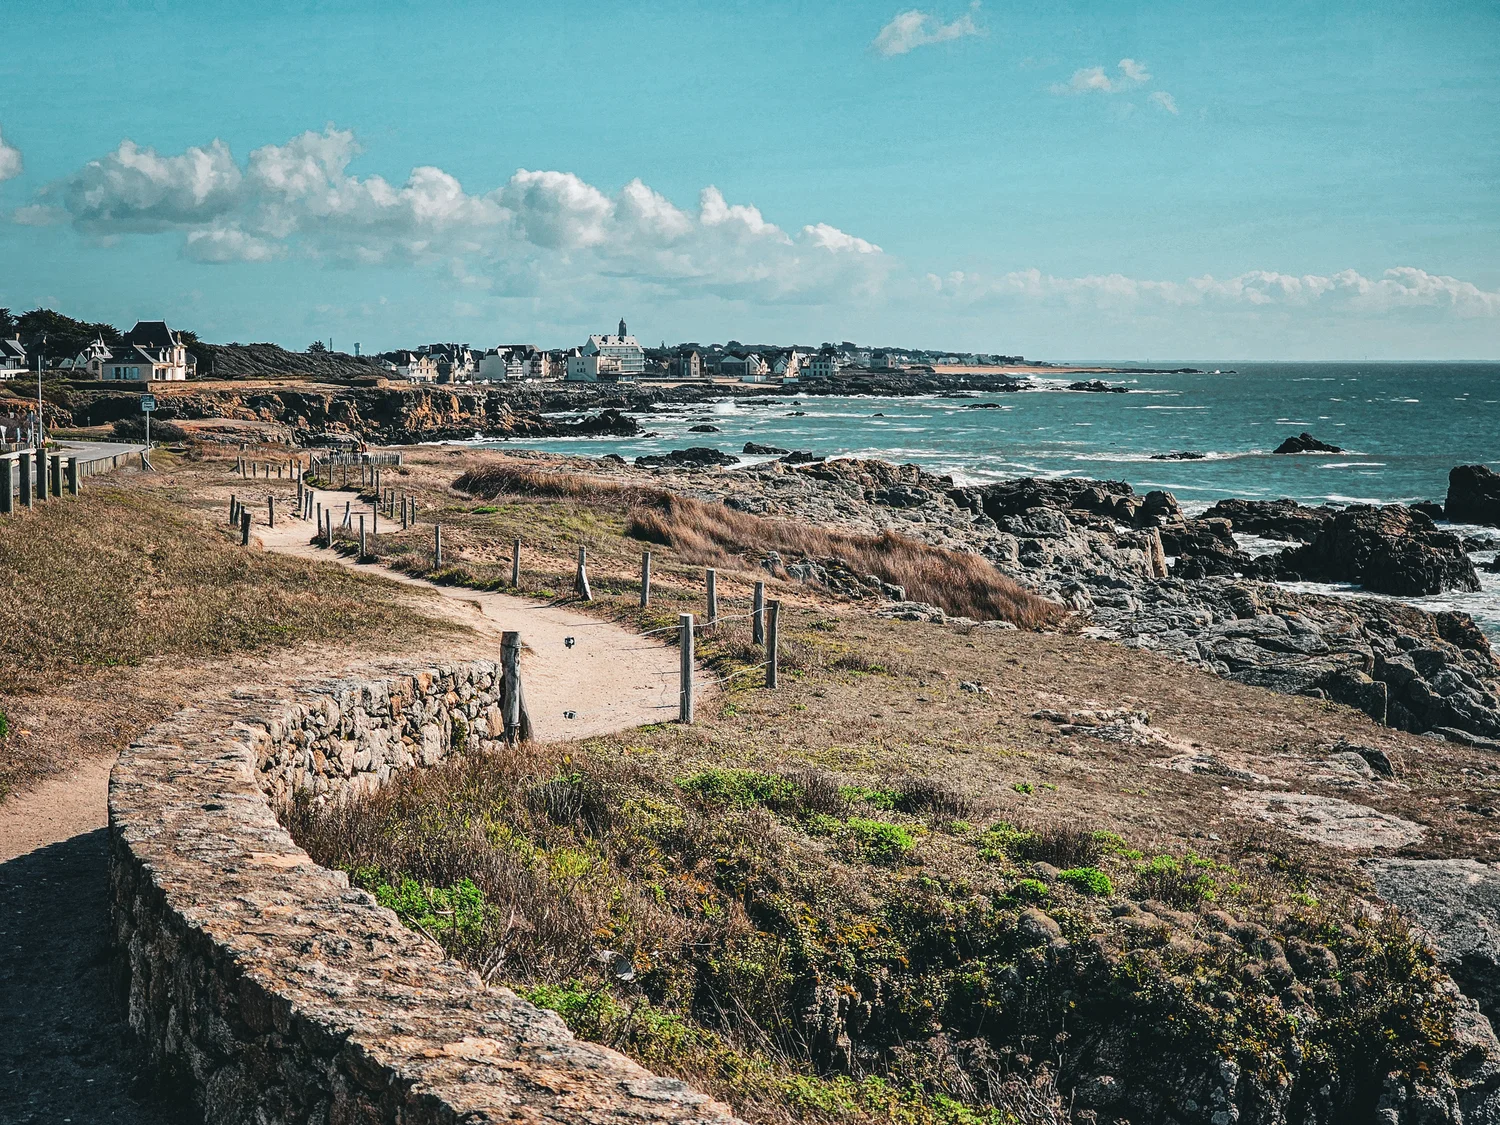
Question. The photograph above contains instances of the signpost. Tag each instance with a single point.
(148, 404)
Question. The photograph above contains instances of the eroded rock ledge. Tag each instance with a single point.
(265, 988)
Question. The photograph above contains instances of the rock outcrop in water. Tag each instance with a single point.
(1473, 495)
(1389, 550)
(1305, 443)
(1273, 519)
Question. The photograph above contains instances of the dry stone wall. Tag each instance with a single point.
(266, 989)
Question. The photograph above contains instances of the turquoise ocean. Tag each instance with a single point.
(1402, 426)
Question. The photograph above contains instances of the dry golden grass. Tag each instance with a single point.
(714, 535)
(117, 576)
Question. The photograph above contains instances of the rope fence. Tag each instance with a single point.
(366, 468)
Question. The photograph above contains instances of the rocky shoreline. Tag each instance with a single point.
(1137, 570)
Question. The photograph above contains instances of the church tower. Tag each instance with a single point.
(623, 333)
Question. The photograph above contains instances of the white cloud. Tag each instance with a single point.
(39, 215)
(539, 228)
(1095, 80)
(1399, 288)
(10, 161)
(1163, 100)
(914, 28)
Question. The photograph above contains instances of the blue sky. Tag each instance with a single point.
(1281, 180)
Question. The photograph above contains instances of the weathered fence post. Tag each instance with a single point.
(72, 476)
(773, 617)
(245, 528)
(374, 520)
(581, 582)
(54, 474)
(328, 528)
(685, 644)
(41, 474)
(515, 565)
(7, 485)
(711, 577)
(270, 511)
(24, 463)
(758, 615)
(517, 721)
(362, 551)
(437, 546)
(348, 511)
(645, 579)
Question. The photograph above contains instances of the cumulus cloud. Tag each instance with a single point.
(1163, 101)
(1096, 80)
(299, 198)
(10, 160)
(912, 29)
(1399, 288)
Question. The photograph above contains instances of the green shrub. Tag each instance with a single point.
(883, 799)
(1029, 890)
(1087, 880)
(457, 911)
(879, 841)
(4, 724)
(741, 788)
(1180, 883)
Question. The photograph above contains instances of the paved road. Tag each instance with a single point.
(95, 449)
(65, 1055)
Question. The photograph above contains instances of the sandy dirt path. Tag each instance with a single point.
(609, 679)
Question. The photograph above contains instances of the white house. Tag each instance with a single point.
(91, 360)
(12, 358)
(820, 366)
(150, 353)
(788, 367)
(596, 368)
(416, 366)
(888, 361)
(747, 369)
(623, 347)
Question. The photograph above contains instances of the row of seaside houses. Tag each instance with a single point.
(149, 353)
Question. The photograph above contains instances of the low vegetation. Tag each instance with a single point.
(783, 940)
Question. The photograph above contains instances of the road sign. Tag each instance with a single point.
(148, 403)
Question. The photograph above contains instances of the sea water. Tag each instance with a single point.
(1402, 427)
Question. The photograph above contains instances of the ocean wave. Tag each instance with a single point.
(1353, 465)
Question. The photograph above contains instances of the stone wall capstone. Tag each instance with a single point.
(266, 989)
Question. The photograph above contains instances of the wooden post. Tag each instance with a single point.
(328, 528)
(374, 520)
(7, 485)
(685, 644)
(245, 528)
(581, 582)
(270, 511)
(517, 721)
(712, 577)
(773, 616)
(362, 551)
(348, 510)
(72, 476)
(318, 513)
(54, 474)
(24, 463)
(645, 579)
(41, 474)
(515, 565)
(758, 615)
(437, 546)
(404, 523)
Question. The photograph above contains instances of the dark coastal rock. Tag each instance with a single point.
(1205, 548)
(802, 457)
(983, 406)
(1429, 508)
(697, 457)
(1111, 499)
(755, 449)
(1390, 550)
(607, 423)
(1474, 495)
(1097, 386)
(1181, 455)
(704, 428)
(1272, 519)
(1305, 443)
